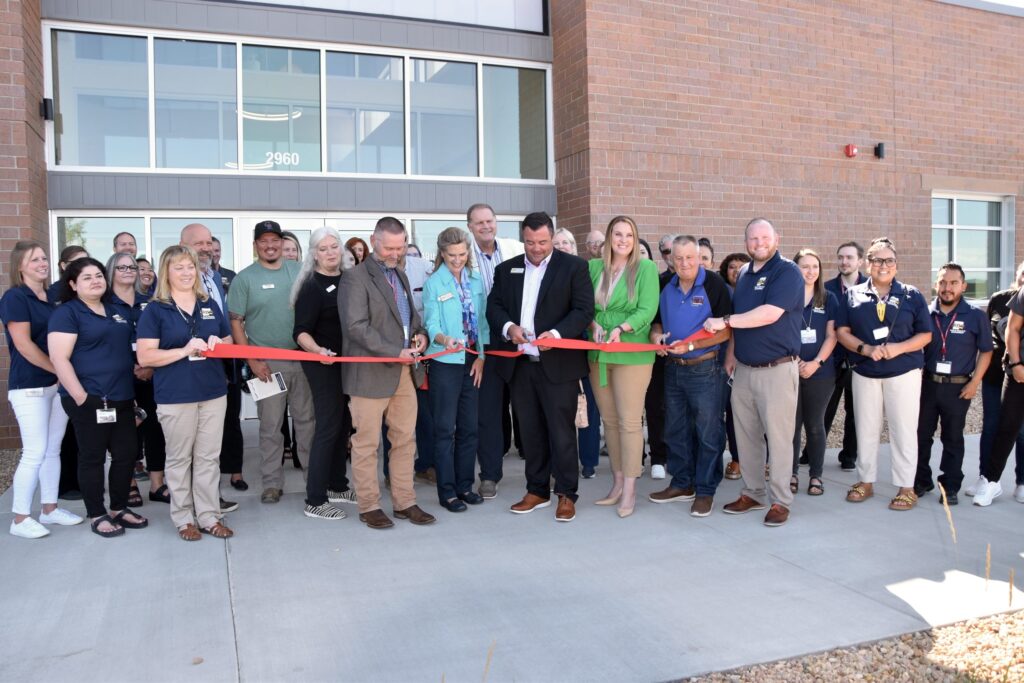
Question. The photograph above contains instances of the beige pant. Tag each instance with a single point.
(764, 405)
(193, 434)
(273, 411)
(621, 403)
(898, 397)
(399, 413)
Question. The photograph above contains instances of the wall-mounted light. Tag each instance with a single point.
(46, 109)
(880, 150)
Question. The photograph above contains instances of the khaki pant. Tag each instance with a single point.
(621, 403)
(272, 413)
(764, 405)
(399, 414)
(900, 398)
(193, 433)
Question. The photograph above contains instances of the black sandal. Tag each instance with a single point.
(116, 531)
(119, 518)
(815, 489)
(794, 484)
(134, 497)
(161, 495)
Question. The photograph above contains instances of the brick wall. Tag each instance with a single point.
(697, 116)
(22, 161)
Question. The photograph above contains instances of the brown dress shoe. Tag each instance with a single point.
(529, 503)
(732, 470)
(777, 515)
(414, 514)
(702, 506)
(672, 495)
(743, 504)
(566, 511)
(376, 519)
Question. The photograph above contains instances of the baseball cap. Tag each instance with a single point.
(263, 227)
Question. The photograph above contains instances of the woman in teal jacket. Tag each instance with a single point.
(626, 301)
(454, 311)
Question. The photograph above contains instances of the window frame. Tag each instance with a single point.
(1007, 234)
(406, 54)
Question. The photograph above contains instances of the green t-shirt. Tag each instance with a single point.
(261, 296)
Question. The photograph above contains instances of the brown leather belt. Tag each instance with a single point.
(948, 379)
(773, 363)
(710, 355)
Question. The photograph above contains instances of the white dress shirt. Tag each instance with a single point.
(532, 278)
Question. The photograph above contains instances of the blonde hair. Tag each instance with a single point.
(21, 250)
(632, 262)
(163, 282)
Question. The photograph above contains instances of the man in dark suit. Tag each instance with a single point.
(379, 318)
(542, 294)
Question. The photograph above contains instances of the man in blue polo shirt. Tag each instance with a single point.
(850, 257)
(695, 425)
(955, 362)
(762, 359)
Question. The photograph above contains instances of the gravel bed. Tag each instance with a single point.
(8, 461)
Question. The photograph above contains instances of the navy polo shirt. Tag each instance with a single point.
(684, 314)
(906, 314)
(777, 283)
(133, 312)
(837, 287)
(967, 332)
(817, 318)
(21, 305)
(102, 357)
(185, 381)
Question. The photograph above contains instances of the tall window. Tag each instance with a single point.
(365, 114)
(96, 234)
(443, 123)
(166, 232)
(970, 232)
(515, 119)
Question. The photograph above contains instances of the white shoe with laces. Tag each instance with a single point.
(1018, 493)
(28, 528)
(657, 471)
(987, 492)
(60, 516)
(973, 488)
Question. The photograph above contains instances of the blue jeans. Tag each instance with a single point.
(590, 438)
(453, 405)
(694, 425)
(991, 398)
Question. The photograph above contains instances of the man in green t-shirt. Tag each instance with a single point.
(261, 315)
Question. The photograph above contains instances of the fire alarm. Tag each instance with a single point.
(850, 150)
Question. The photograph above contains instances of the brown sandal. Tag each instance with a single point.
(903, 501)
(189, 532)
(218, 530)
(860, 492)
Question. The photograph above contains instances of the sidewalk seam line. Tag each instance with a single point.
(231, 607)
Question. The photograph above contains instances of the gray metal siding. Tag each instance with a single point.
(164, 191)
(302, 24)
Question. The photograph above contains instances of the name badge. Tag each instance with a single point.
(207, 313)
(118, 319)
(445, 296)
(269, 285)
(518, 271)
(331, 289)
(881, 333)
(143, 305)
(808, 336)
(697, 301)
(135, 347)
(943, 368)
(34, 393)
(105, 416)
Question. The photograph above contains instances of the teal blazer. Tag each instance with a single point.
(442, 311)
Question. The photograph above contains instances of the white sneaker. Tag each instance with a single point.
(657, 471)
(1018, 493)
(987, 492)
(29, 528)
(973, 488)
(60, 516)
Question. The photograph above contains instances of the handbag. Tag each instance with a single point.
(581, 409)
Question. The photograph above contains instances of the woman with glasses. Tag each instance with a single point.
(191, 391)
(884, 323)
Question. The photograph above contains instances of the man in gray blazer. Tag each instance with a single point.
(379, 318)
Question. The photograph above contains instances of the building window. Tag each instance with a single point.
(196, 110)
(972, 232)
(280, 109)
(443, 105)
(96, 234)
(166, 232)
(515, 116)
(365, 114)
(424, 233)
(101, 100)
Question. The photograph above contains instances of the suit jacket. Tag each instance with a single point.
(565, 303)
(371, 326)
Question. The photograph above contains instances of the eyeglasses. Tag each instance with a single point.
(666, 252)
(126, 269)
(595, 244)
(890, 262)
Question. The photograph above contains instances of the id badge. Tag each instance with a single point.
(105, 416)
(191, 357)
(943, 368)
(881, 333)
(808, 336)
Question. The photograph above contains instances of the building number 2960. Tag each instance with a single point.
(283, 158)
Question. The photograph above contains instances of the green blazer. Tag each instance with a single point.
(638, 312)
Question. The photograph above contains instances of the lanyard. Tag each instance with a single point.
(190, 321)
(807, 323)
(944, 335)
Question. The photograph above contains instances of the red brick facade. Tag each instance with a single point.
(695, 116)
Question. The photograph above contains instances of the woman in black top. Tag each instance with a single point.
(318, 330)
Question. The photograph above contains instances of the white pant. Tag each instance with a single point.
(42, 422)
(899, 398)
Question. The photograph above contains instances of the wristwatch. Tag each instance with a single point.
(725, 319)
(860, 348)
(821, 362)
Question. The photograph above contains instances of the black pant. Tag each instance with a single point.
(68, 462)
(491, 440)
(330, 436)
(231, 442)
(1011, 417)
(810, 410)
(94, 440)
(547, 412)
(151, 434)
(654, 405)
(843, 390)
(941, 404)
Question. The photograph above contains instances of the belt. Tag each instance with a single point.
(773, 363)
(948, 379)
(710, 355)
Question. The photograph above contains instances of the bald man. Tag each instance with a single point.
(595, 244)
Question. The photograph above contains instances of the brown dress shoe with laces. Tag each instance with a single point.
(743, 504)
(566, 511)
(529, 503)
(414, 514)
(777, 515)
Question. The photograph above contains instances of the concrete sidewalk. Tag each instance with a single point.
(656, 596)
